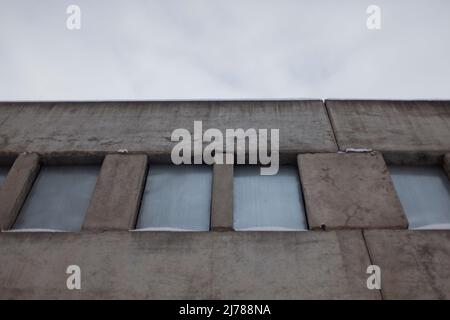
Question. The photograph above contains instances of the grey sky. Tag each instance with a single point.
(228, 49)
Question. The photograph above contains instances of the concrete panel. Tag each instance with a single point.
(117, 195)
(93, 127)
(400, 126)
(414, 264)
(161, 265)
(349, 190)
(446, 164)
(16, 187)
(222, 198)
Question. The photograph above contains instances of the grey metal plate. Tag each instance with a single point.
(58, 199)
(268, 202)
(425, 195)
(176, 198)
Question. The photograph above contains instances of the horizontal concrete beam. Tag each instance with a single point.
(146, 127)
(394, 126)
(117, 196)
(347, 191)
(180, 265)
(414, 264)
(16, 187)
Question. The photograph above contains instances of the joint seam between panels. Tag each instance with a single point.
(372, 261)
(333, 129)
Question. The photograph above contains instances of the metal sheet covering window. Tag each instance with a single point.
(58, 199)
(425, 195)
(3, 174)
(176, 198)
(268, 202)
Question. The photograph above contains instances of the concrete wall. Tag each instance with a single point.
(53, 129)
(405, 131)
(161, 265)
(350, 192)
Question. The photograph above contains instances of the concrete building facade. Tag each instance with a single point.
(342, 150)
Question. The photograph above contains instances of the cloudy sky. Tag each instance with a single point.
(224, 49)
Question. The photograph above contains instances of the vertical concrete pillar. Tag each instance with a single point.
(16, 187)
(447, 164)
(222, 198)
(117, 196)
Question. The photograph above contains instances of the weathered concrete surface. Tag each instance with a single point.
(446, 164)
(222, 198)
(392, 126)
(117, 196)
(413, 158)
(414, 264)
(100, 127)
(209, 265)
(16, 187)
(349, 190)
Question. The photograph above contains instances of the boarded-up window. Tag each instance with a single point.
(58, 199)
(176, 198)
(268, 202)
(425, 195)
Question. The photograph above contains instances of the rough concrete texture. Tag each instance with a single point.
(222, 198)
(398, 126)
(412, 158)
(16, 187)
(414, 264)
(83, 127)
(211, 265)
(350, 190)
(446, 164)
(117, 196)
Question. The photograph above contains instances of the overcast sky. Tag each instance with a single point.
(227, 49)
